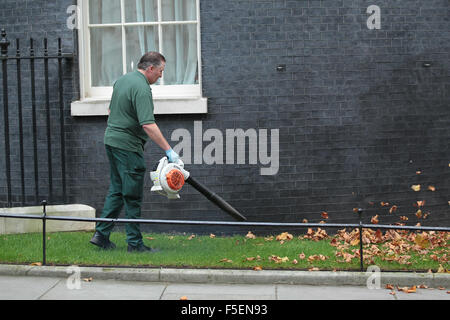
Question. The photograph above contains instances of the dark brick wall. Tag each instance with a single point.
(358, 110)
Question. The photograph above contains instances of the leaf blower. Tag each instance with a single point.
(169, 178)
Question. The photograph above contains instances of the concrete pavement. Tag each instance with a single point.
(72, 283)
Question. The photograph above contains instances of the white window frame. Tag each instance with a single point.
(168, 99)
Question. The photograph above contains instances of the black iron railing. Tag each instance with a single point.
(360, 226)
(31, 61)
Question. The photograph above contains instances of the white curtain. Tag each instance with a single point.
(178, 43)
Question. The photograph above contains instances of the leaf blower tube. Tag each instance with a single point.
(169, 178)
(214, 198)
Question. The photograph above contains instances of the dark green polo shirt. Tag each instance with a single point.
(131, 107)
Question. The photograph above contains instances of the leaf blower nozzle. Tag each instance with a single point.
(169, 178)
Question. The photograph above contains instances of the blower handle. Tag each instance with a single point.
(217, 200)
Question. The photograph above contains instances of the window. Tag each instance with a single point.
(114, 34)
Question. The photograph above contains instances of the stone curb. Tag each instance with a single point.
(329, 278)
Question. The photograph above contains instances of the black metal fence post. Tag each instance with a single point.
(361, 261)
(44, 218)
(19, 106)
(61, 120)
(4, 43)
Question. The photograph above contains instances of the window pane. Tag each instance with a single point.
(141, 10)
(104, 11)
(106, 55)
(178, 10)
(140, 39)
(180, 50)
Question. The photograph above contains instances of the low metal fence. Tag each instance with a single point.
(360, 226)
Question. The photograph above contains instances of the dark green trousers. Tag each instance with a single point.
(127, 170)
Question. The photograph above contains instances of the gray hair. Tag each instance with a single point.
(150, 58)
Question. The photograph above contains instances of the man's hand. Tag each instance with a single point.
(172, 155)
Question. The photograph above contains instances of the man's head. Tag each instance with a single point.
(152, 65)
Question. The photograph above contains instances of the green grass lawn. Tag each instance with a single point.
(237, 252)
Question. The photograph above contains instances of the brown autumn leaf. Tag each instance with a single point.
(379, 235)
(420, 203)
(407, 290)
(404, 218)
(250, 235)
(38, 264)
(393, 209)
(421, 241)
(257, 268)
(432, 188)
(306, 220)
(374, 220)
(226, 260)
(302, 256)
(149, 238)
(324, 214)
(212, 235)
(416, 187)
(384, 204)
(389, 286)
(192, 236)
(294, 261)
(183, 298)
(419, 213)
(412, 289)
(284, 236)
(88, 279)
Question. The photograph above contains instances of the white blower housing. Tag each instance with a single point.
(169, 178)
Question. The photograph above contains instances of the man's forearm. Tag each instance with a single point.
(156, 135)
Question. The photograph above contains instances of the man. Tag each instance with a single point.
(130, 124)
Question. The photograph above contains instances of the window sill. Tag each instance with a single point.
(178, 105)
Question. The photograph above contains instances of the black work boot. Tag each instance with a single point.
(101, 241)
(141, 248)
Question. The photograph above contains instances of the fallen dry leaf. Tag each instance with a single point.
(294, 261)
(403, 218)
(192, 236)
(183, 298)
(38, 264)
(257, 268)
(278, 259)
(284, 236)
(374, 220)
(302, 256)
(226, 260)
(88, 279)
(393, 209)
(390, 286)
(415, 187)
(149, 238)
(419, 213)
(324, 214)
(420, 203)
(408, 290)
(432, 188)
(250, 235)
(212, 236)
